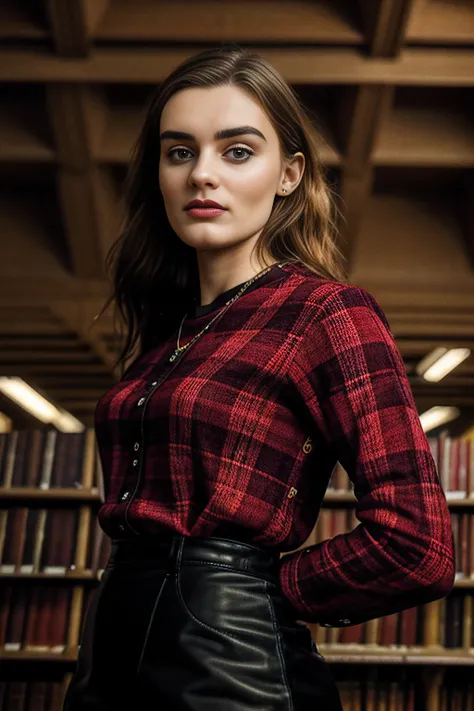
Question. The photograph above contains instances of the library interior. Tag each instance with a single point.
(389, 87)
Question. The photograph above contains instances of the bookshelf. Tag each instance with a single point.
(53, 552)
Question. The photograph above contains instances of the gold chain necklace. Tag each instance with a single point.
(221, 312)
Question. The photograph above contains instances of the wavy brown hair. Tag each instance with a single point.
(154, 273)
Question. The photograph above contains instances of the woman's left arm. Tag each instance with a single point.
(353, 381)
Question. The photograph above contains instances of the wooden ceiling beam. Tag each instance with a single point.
(231, 21)
(89, 205)
(91, 210)
(79, 316)
(25, 327)
(73, 370)
(413, 67)
(78, 115)
(27, 343)
(73, 24)
(360, 118)
(24, 290)
(354, 191)
(426, 400)
(46, 355)
(360, 115)
(386, 22)
(417, 329)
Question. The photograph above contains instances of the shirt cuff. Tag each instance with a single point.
(289, 583)
(289, 567)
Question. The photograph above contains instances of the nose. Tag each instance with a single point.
(204, 171)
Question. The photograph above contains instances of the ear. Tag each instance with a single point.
(292, 174)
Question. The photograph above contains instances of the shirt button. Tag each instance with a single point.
(121, 528)
(154, 382)
(125, 495)
(140, 402)
(345, 621)
(136, 446)
(308, 550)
(135, 462)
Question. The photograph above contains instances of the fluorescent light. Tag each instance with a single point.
(66, 422)
(25, 396)
(438, 415)
(441, 361)
(30, 400)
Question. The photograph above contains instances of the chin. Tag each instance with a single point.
(194, 233)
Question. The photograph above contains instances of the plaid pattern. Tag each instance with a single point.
(212, 444)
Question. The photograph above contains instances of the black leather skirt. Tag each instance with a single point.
(196, 624)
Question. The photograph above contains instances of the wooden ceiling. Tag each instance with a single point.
(390, 86)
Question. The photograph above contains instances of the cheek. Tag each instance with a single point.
(171, 188)
(256, 183)
(164, 179)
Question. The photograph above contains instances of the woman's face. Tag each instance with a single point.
(242, 172)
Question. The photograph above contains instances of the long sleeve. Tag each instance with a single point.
(352, 379)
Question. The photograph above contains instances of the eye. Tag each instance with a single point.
(241, 148)
(174, 151)
(176, 154)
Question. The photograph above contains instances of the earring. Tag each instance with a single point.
(283, 190)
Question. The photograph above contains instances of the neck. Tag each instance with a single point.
(215, 280)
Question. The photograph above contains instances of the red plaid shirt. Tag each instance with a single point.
(212, 444)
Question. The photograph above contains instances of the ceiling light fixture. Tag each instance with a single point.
(441, 361)
(30, 400)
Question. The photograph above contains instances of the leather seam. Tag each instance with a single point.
(223, 566)
(152, 617)
(279, 649)
(186, 609)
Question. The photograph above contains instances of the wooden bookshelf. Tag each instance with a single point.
(331, 654)
(392, 656)
(70, 575)
(80, 580)
(20, 493)
(21, 656)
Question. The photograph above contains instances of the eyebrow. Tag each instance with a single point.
(220, 135)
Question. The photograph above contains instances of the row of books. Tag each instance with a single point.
(454, 459)
(394, 696)
(463, 534)
(452, 628)
(32, 695)
(377, 696)
(34, 540)
(35, 616)
(364, 695)
(334, 521)
(48, 459)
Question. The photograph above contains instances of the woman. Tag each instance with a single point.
(259, 368)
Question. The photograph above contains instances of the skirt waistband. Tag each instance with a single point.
(174, 551)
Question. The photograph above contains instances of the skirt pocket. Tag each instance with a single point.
(223, 600)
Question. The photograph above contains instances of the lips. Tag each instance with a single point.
(203, 204)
